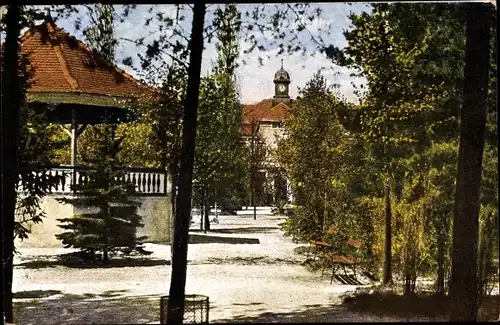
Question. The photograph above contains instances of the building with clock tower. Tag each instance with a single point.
(281, 86)
(262, 126)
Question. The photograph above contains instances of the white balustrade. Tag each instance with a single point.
(147, 181)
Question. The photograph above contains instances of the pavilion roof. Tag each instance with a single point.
(66, 71)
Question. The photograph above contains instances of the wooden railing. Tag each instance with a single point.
(147, 181)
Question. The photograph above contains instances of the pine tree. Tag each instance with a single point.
(112, 220)
(112, 225)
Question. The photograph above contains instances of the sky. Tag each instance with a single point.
(255, 81)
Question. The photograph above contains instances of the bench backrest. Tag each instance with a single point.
(354, 242)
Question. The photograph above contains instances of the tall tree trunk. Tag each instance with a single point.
(215, 205)
(387, 272)
(12, 97)
(174, 174)
(463, 290)
(253, 170)
(325, 210)
(440, 261)
(202, 209)
(254, 203)
(175, 308)
(207, 213)
(481, 262)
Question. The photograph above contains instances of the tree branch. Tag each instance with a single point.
(137, 43)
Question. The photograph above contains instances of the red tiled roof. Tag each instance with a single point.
(64, 64)
(246, 129)
(265, 111)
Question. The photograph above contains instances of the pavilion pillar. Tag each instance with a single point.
(74, 143)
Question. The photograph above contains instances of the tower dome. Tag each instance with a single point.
(281, 75)
(281, 85)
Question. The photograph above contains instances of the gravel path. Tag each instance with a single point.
(251, 282)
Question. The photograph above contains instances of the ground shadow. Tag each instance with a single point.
(255, 260)
(234, 260)
(34, 294)
(209, 239)
(62, 260)
(249, 304)
(425, 304)
(244, 230)
(308, 314)
(88, 309)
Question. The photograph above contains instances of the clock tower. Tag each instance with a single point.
(281, 85)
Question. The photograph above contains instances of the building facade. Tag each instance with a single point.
(262, 128)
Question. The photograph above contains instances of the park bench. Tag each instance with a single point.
(318, 245)
(321, 245)
(336, 261)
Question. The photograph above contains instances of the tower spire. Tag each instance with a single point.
(281, 63)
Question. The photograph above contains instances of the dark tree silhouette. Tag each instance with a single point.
(12, 99)
(175, 312)
(464, 277)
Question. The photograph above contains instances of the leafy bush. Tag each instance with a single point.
(279, 208)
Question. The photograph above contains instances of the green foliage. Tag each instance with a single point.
(405, 128)
(33, 159)
(412, 57)
(312, 151)
(279, 208)
(220, 155)
(100, 38)
(110, 222)
(34, 178)
(302, 225)
(100, 34)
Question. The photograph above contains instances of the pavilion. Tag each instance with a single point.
(78, 87)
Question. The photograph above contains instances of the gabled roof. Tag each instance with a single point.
(265, 111)
(65, 67)
(246, 129)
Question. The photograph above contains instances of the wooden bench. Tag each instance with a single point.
(321, 244)
(354, 243)
(336, 260)
(317, 244)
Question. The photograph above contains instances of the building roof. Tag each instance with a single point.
(266, 111)
(67, 71)
(246, 129)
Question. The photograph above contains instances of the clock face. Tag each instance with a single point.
(281, 88)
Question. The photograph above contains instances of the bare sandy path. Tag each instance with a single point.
(252, 282)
